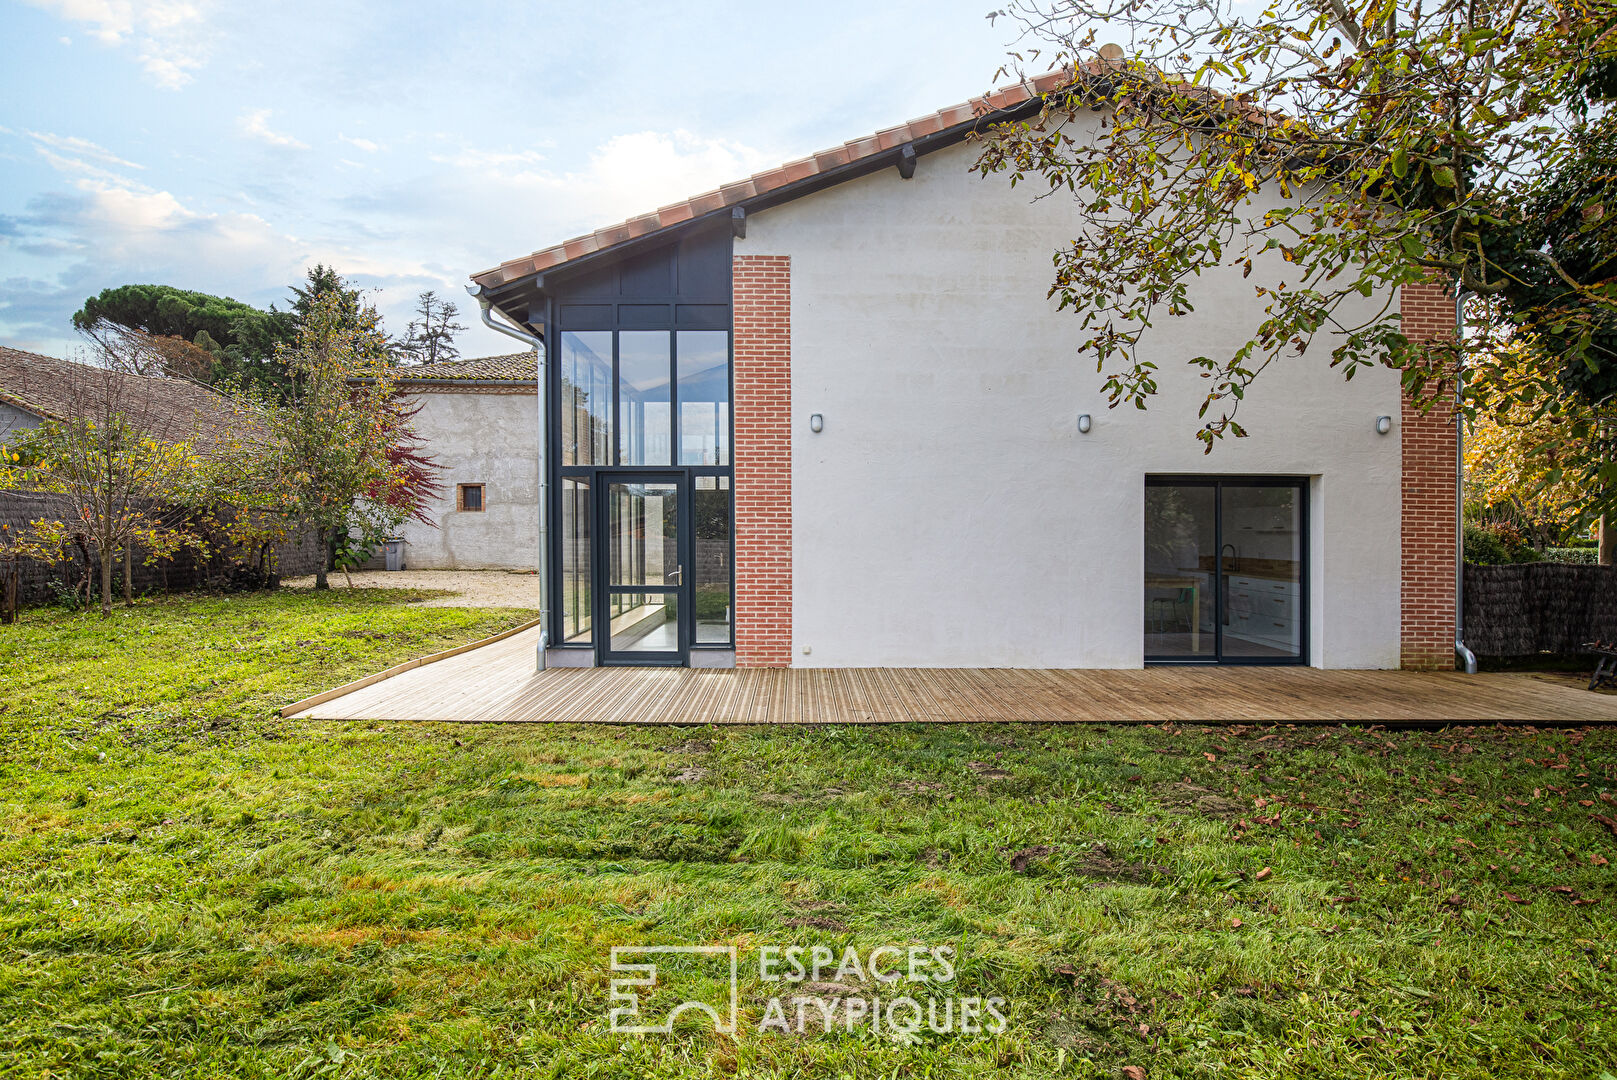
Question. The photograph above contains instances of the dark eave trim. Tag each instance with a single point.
(518, 292)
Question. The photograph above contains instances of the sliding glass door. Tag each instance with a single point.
(1226, 571)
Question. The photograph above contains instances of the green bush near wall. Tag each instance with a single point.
(1588, 556)
(1486, 546)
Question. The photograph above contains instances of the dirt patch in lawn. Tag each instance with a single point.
(1202, 800)
(1098, 863)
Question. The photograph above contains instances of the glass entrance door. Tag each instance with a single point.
(1226, 576)
(644, 607)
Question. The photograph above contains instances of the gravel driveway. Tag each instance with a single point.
(472, 588)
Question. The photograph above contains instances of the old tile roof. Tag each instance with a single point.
(509, 368)
(57, 389)
(793, 172)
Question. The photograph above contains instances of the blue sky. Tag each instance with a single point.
(223, 147)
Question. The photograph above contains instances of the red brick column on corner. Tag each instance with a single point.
(1428, 500)
(762, 313)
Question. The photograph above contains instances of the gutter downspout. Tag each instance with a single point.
(1465, 655)
(541, 356)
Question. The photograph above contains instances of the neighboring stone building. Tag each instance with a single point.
(477, 419)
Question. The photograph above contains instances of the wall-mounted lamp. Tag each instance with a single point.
(816, 423)
(1383, 424)
(1084, 423)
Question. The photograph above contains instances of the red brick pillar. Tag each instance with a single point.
(1428, 500)
(762, 313)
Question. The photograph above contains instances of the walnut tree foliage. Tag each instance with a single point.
(1369, 144)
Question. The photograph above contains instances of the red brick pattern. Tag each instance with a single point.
(762, 312)
(1427, 592)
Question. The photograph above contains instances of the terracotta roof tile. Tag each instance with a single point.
(774, 179)
(507, 368)
(55, 389)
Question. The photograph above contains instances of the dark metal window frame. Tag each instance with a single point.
(599, 476)
(1305, 585)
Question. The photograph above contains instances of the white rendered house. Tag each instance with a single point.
(826, 416)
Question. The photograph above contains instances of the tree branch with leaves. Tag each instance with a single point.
(320, 456)
(1370, 145)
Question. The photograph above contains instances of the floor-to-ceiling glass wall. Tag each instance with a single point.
(642, 549)
(1226, 574)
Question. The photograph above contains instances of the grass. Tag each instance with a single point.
(191, 887)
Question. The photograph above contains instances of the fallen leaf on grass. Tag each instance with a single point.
(1561, 889)
(1132, 1072)
(1598, 860)
(1608, 822)
(1236, 924)
(1208, 756)
(1513, 898)
(1263, 874)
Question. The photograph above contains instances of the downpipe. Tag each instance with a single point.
(1461, 652)
(541, 355)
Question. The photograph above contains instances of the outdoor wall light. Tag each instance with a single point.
(816, 423)
(1383, 424)
(1084, 423)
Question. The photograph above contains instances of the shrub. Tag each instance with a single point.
(1497, 543)
(1483, 546)
(1585, 555)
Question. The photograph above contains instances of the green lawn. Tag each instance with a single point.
(190, 886)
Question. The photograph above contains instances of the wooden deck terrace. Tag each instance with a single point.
(496, 683)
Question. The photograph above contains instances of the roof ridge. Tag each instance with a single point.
(863, 148)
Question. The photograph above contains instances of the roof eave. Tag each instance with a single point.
(582, 252)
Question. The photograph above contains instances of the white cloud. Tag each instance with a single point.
(648, 169)
(472, 158)
(364, 144)
(81, 148)
(396, 237)
(169, 35)
(627, 175)
(81, 158)
(254, 123)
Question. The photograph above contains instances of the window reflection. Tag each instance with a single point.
(710, 501)
(586, 398)
(575, 560)
(1180, 549)
(645, 419)
(704, 397)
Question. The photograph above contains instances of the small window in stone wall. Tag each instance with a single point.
(469, 497)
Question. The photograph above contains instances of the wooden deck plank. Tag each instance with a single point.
(496, 683)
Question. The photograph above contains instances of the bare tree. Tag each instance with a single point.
(430, 336)
(113, 465)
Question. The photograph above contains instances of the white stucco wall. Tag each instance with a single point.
(950, 514)
(488, 439)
